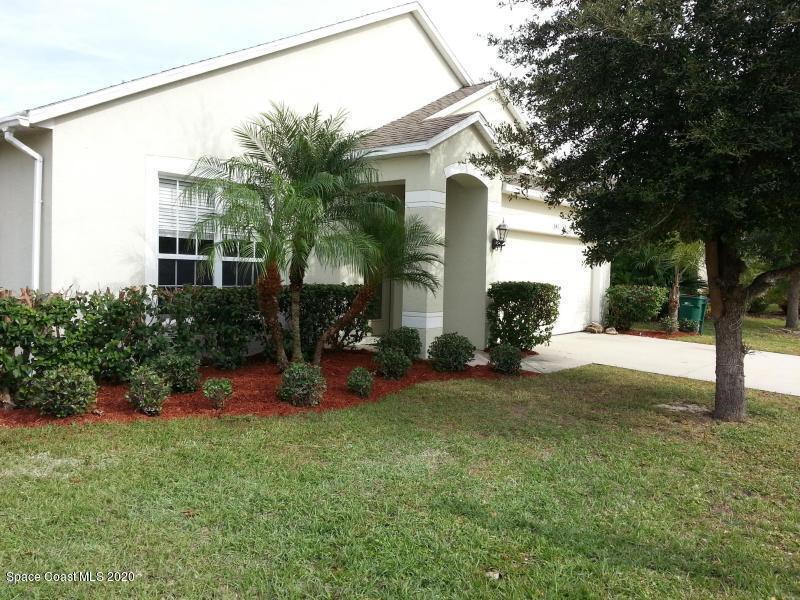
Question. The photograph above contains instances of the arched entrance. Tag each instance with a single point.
(467, 235)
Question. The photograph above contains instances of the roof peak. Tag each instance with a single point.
(139, 84)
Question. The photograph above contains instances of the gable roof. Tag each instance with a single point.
(422, 124)
(63, 107)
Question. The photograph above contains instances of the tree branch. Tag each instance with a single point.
(763, 282)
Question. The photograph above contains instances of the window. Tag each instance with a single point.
(182, 258)
(180, 251)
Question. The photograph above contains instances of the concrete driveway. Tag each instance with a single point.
(763, 370)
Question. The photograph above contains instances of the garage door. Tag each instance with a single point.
(551, 259)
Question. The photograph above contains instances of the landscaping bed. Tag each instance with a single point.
(254, 387)
(661, 335)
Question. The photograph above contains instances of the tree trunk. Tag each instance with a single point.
(793, 302)
(269, 288)
(295, 287)
(729, 400)
(675, 296)
(728, 305)
(358, 306)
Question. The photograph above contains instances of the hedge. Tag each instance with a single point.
(522, 313)
(628, 304)
(108, 335)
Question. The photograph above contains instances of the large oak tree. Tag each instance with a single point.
(655, 117)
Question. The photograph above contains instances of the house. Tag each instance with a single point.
(89, 185)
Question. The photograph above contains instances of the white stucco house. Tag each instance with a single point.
(88, 185)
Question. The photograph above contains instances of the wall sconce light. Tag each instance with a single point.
(500, 240)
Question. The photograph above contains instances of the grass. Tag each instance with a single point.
(570, 485)
(759, 333)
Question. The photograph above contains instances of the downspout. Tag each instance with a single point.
(38, 171)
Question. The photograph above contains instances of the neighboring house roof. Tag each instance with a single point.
(57, 109)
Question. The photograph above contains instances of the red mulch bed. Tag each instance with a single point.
(661, 335)
(254, 388)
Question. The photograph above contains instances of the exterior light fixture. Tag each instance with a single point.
(500, 240)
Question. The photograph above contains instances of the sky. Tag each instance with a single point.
(53, 49)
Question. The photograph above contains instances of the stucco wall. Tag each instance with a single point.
(16, 210)
(99, 176)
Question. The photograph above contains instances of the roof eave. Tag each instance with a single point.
(57, 109)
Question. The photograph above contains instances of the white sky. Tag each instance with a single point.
(54, 49)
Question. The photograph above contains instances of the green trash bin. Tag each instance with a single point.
(693, 308)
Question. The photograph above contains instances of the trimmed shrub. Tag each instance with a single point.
(147, 391)
(61, 392)
(689, 325)
(522, 313)
(302, 385)
(405, 339)
(505, 359)
(668, 324)
(627, 304)
(392, 363)
(360, 382)
(180, 370)
(451, 352)
(218, 390)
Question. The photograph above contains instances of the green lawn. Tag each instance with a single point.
(570, 485)
(759, 333)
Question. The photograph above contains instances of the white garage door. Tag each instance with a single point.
(551, 259)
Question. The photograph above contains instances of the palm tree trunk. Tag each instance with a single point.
(675, 296)
(358, 306)
(295, 288)
(793, 302)
(269, 287)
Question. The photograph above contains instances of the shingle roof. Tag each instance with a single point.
(416, 127)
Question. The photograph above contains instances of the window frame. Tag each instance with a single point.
(179, 169)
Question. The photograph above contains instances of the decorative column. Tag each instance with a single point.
(424, 310)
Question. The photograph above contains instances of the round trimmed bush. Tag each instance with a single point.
(218, 390)
(61, 392)
(689, 325)
(148, 390)
(506, 359)
(403, 338)
(451, 352)
(302, 385)
(180, 370)
(392, 363)
(627, 304)
(360, 382)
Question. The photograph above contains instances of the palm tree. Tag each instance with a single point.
(295, 193)
(405, 253)
(683, 257)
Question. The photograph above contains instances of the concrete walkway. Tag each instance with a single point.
(763, 370)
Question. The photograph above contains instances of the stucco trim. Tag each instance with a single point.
(425, 199)
(70, 105)
(423, 320)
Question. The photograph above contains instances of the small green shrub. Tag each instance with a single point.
(689, 325)
(451, 352)
(627, 304)
(506, 359)
(180, 370)
(522, 313)
(302, 385)
(60, 392)
(758, 306)
(218, 390)
(405, 339)
(148, 390)
(392, 363)
(669, 324)
(360, 382)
